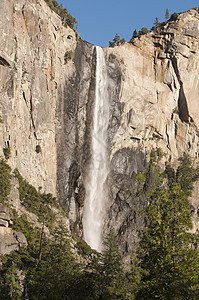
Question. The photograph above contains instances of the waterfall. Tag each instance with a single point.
(95, 200)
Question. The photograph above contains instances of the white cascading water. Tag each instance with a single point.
(95, 200)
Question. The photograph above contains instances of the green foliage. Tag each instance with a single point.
(160, 153)
(116, 41)
(141, 176)
(83, 248)
(23, 225)
(122, 41)
(157, 26)
(7, 152)
(186, 174)
(162, 24)
(176, 110)
(146, 181)
(173, 17)
(10, 287)
(77, 35)
(170, 174)
(111, 44)
(51, 275)
(68, 56)
(166, 265)
(5, 181)
(156, 155)
(67, 18)
(114, 280)
(164, 249)
(36, 202)
(23, 261)
(167, 14)
(105, 276)
(143, 31)
(167, 253)
(38, 149)
(55, 275)
(135, 34)
(156, 23)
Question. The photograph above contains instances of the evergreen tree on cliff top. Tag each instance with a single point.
(116, 41)
(67, 18)
(167, 14)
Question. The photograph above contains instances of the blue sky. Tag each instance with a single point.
(99, 21)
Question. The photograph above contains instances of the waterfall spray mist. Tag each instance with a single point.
(95, 200)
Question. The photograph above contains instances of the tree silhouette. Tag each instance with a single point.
(116, 41)
(167, 14)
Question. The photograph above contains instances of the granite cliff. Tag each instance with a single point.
(47, 88)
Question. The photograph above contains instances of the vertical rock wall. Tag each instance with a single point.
(74, 112)
(158, 95)
(33, 44)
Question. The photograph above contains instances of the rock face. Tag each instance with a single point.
(5, 216)
(9, 239)
(159, 94)
(46, 105)
(33, 45)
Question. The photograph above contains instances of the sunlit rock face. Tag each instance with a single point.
(159, 95)
(47, 99)
(9, 239)
(33, 44)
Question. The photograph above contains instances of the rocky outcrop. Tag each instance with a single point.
(9, 239)
(46, 100)
(5, 216)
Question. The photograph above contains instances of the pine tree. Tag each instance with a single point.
(10, 287)
(112, 268)
(122, 41)
(186, 174)
(135, 34)
(116, 41)
(111, 44)
(144, 30)
(166, 252)
(167, 14)
(5, 181)
(156, 23)
(106, 275)
(55, 275)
